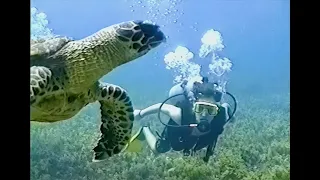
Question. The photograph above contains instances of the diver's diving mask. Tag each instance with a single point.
(212, 109)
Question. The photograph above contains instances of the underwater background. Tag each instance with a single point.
(254, 39)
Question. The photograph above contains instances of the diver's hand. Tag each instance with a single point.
(137, 115)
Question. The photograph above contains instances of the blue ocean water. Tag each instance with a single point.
(256, 38)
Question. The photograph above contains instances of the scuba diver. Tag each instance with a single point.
(197, 118)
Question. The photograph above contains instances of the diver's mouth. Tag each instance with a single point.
(204, 125)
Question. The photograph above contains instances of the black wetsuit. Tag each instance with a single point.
(180, 138)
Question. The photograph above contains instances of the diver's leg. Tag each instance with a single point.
(150, 137)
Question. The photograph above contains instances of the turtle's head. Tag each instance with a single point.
(140, 36)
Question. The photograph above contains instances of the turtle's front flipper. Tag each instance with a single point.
(117, 120)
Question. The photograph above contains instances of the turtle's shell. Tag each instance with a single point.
(41, 49)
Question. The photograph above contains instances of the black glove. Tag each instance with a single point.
(209, 152)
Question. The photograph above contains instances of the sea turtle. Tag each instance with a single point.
(65, 73)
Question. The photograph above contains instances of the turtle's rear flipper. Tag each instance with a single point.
(117, 120)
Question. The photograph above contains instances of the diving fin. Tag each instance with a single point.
(135, 143)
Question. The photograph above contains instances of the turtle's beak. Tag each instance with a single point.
(152, 32)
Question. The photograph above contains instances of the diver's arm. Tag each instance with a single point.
(172, 111)
(228, 111)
